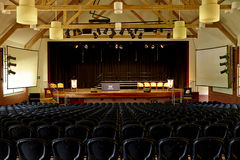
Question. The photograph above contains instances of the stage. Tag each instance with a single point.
(122, 96)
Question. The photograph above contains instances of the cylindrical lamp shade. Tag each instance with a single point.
(209, 11)
(118, 26)
(170, 83)
(118, 7)
(73, 83)
(56, 31)
(27, 15)
(179, 30)
(27, 3)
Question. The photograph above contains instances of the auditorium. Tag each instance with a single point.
(119, 80)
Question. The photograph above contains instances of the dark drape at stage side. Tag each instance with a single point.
(86, 63)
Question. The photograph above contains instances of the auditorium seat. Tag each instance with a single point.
(153, 85)
(8, 150)
(109, 131)
(16, 132)
(140, 85)
(78, 131)
(216, 130)
(159, 85)
(160, 131)
(233, 149)
(53, 85)
(138, 149)
(102, 148)
(132, 131)
(32, 149)
(60, 86)
(67, 149)
(147, 85)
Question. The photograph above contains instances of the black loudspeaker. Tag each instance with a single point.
(34, 97)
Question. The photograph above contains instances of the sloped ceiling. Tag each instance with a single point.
(24, 35)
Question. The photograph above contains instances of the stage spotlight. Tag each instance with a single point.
(98, 31)
(12, 64)
(122, 31)
(95, 35)
(74, 32)
(105, 31)
(132, 35)
(168, 35)
(113, 33)
(140, 35)
(79, 31)
(223, 64)
(161, 45)
(67, 33)
(116, 46)
(135, 31)
(11, 58)
(152, 46)
(222, 57)
(223, 71)
(120, 46)
(11, 72)
(76, 46)
(86, 46)
(146, 46)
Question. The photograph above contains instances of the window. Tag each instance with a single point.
(5, 70)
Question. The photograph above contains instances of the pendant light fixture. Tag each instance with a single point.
(118, 7)
(179, 30)
(56, 31)
(26, 12)
(209, 11)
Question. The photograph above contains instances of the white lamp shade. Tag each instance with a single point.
(118, 26)
(27, 15)
(179, 30)
(209, 11)
(56, 31)
(118, 7)
(27, 3)
(170, 83)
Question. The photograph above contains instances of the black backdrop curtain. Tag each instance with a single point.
(86, 60)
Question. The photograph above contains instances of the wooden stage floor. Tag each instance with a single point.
(124, 95)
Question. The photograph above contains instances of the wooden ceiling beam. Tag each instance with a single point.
(9, 33)
(110, 7)
(156, 12)
(93, 26)
(14, 2)
(76, 15)
(225, 31)
(50, 2)
(220, 1)
(102, 12)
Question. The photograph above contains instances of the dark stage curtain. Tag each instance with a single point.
(69, 59)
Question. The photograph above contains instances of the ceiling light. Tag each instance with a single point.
(120, 46)
(116, 46)
(179, 30)
(118, 26)
(146, 46)
(26, 13)
(152, 46)
(161, 45)
(118, 7)
(56, 31)
(86, 46)
(209, 11)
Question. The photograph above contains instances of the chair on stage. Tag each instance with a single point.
(140, 85)
(159, 85)
(147, 85)
(60, 86)
(165, 85)
(153, 85)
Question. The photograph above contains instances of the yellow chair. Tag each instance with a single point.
(166, 85)
(60, 86)
(147, 85)
(139, 85)
(153, 85)
(53, 85)
(159, 85)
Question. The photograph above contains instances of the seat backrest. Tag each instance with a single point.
(67, 148)
(32, 148)
(60, 85)
(138, 149)
(174, 148)
(53, 85)
(7, 150)
(188, 131)
(139, 84)
(48, 132)
(160, 131)
(77, 131)
(236, 132)
(233, 149)
(19, 131)
(102, 148)
(207, 148)
(104, 131)
(132, 131)
(216, 130)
